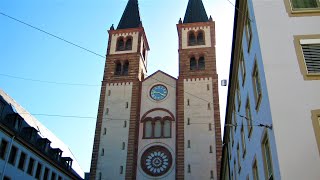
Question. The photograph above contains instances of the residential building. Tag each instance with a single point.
(159, 127)
(272, 121)
(28, 150)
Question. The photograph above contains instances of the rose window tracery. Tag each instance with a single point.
(156, 161)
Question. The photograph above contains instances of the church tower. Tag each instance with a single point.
(158, 127)
(115, 140)
(198, 115)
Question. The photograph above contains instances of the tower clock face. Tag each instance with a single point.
(158, 92)
(156, 161)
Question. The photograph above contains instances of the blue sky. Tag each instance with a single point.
(28, 53)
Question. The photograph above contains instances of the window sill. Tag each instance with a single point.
(305, 12)
(315, 76)
(156, 137)
(121, 50)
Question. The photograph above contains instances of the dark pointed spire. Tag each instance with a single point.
(131, 16)
(195, 12)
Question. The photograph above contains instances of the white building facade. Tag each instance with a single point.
(275, 71)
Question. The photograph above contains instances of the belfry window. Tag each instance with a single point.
(200, 38)
(120, 44)
(192, 39)
(197, 64)
(201, 63)
(128, 44)
(196, 38)
(157, 127)
(124, 44)
(125, 68)
(118, 68)
(193, 63)
(121, 68)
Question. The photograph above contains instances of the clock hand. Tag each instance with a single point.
(159, 93)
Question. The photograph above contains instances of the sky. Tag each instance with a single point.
(60, 84)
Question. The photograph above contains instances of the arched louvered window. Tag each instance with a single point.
(167, 128)
(120, 44)
(118, 68)
(191, 39)
(200, 38)
(193, 63)
(125, 68)
(129, 44)
(201, 63)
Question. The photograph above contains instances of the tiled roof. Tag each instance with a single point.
(130, 17)
(195, 12)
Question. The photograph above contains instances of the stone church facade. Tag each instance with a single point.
(159, 127)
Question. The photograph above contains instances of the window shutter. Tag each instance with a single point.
(311, 53)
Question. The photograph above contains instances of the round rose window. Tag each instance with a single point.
(156, 161)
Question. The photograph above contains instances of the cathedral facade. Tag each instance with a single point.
(159, 126)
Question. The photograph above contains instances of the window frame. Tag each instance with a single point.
(238, 158)
(255, 78)
(162, 125)
(249, 119)
(4, 152)
(255, 169)
(238, 94)
(266, 141)
(300, 55)
(243, 142)
(118, 48)
(315, 116)
(38, 174)
(197, 41)
(126, 46)
(197, 63)
(13, 155)
(30, 168)
(203, 42)
(22, 162)
(46, 173)
(302, 12)
(248, 27)
(242, 67)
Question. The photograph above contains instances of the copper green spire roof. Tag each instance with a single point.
(130, 17)
(195, 12)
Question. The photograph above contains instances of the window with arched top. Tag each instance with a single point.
(120, 44)
(128, 45)
(200, 38)
(201, 63)
(196, 38)
(148, 129)
(191, 38)
(167, 128)
(157, 127)
(193, 63)
(118, 68)
(125, 68)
